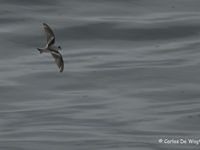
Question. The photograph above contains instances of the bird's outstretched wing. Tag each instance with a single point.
(49, 34)
(59, 60)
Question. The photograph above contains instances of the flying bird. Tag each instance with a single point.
(52, 48)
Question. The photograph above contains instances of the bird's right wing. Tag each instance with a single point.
(59, 60)
(49, 34)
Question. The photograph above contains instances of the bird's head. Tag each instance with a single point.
(59, 47)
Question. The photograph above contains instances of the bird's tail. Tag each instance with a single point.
(40, 50)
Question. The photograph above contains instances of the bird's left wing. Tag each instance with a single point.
(49, 34)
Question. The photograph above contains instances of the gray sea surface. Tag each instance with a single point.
(131, 79)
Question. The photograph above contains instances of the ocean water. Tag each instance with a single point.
(131, 79)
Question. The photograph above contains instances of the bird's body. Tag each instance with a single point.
(52, 48)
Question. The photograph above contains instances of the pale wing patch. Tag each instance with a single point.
(59, 60)
(49, 34)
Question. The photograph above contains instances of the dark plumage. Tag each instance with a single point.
(51, 48)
